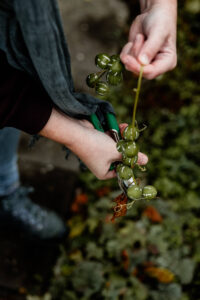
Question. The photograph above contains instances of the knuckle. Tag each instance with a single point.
(149, 76)
(100, 176)
(138, 19)
(174, 63)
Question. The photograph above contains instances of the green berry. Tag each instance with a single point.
(125, 172)
(102, 60)
(114, 57)
(115, 66)
(134, 192)
(102, 88)
(92, 79)
(118, 168)
(130, 134)
(130, 149)
(130, 162)
(114, 78)
(149, 192)
(120, 145)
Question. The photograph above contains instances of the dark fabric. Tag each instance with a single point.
(32, 37)
(24, 104)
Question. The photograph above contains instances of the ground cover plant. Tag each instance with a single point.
(152, 253)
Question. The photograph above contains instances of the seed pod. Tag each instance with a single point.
(149, 192)
(114, 78)
(125, 172)
(102, 60)
(130, 161)
(130, 149)
(118, 168)
(102, 88)
(134, 192)
(115, 66)
(92, 79)
(129, 134)
(120, 145)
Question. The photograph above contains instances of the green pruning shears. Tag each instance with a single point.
(112, 127)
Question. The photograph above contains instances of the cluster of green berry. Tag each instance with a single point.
(111, 67)
(129, 150)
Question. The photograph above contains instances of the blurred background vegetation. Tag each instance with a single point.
(153, 252)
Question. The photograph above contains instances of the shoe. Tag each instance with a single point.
(17, 209)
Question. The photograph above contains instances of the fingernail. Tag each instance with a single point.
(144, 59)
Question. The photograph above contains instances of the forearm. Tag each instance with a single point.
(96, 149)
(79, 136)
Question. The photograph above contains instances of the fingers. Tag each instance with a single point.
(110, 175)
(142, 159)
(131, 64)
(130, 52)
(137, 45)
(151, 46)
(136, 28)
(122, 127)
(163, 62)
(126, 49)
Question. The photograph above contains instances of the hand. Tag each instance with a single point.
(152, 40)
(96, 149)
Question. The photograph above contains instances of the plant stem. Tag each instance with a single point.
(101, 73)
(137, 96)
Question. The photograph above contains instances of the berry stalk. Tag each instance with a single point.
(137, 96)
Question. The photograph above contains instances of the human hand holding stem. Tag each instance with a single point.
(96, 149)
(152, 39)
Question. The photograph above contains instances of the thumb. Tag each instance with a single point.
(151, 47)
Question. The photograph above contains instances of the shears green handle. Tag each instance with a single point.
(111, 123)
(112, 126)
(96, 123)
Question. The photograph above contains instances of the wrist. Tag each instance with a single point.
(62, 129)
(145, 5)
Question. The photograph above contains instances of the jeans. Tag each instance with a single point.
(9, 175)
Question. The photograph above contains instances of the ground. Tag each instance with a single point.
(91, 27)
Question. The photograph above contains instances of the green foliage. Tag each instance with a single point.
(104, 260)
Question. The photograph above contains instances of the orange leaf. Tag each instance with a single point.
(75, 207)
(103, 191)
(81, 199)
(134, 272)
(120, 208)
(125, 259)
(162, 275)
(153, 215)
